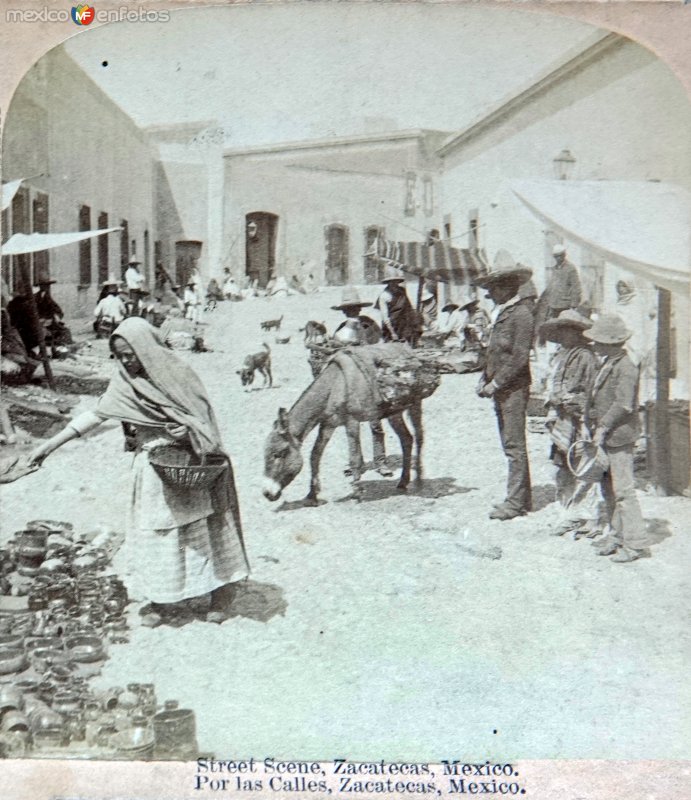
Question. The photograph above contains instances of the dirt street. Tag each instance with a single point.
(403, 626)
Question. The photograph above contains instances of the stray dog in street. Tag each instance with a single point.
(257, 362)
(314, 331)
(270, 324)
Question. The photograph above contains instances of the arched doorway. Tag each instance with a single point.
(336, 241)
(373, 268)
(260, 245)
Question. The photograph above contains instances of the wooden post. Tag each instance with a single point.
(662, 445)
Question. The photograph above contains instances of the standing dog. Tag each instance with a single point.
(257, 362)
(269, 324)
(313, 331)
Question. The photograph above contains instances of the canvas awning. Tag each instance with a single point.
(9, 190)
(21, 243)
(641, 226)
(438, 261)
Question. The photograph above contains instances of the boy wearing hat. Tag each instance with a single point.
(506, 379)
(110, 309)
(573, 375)
(366, 331)
(351, 306)
(612, 417)
(399, 318)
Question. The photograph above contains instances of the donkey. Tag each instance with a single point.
(330, 401)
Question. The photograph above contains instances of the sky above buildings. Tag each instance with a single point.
(290, 72)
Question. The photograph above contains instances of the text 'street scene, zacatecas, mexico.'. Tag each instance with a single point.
(345, 396)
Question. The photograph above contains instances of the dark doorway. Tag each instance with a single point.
(336, 242)
(187, 254)
(373, 267)
(260, 245)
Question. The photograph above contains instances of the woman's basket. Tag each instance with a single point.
(587, 461)
(179, 467)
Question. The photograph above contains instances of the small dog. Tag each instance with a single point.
(269, 324)
(313, 331)
(257, 362)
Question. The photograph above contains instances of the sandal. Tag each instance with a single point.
(217, 617)
(151, 620)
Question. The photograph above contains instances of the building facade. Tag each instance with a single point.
(623, 116)
(315, 208)
(86, 166)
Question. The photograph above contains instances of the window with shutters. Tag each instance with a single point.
(85, 248)
(102, 248)
(40, 225)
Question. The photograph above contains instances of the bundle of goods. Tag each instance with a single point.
(60, 610)
(391, 376)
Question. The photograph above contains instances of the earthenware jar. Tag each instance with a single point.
(175, 734)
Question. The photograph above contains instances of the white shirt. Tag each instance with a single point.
(134, 278)
(111, 306)
(496, 311)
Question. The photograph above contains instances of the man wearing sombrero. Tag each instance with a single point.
(571, 382)
(399, 318)
(351, 305)
(612, 417)
(506, 378)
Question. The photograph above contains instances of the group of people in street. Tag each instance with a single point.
(186, 546)
(592, 397)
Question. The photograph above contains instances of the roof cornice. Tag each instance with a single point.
(549, 77)
(336, 141)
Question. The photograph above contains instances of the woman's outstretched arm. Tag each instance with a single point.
(77, 427)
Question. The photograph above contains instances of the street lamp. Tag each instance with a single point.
(563, 165)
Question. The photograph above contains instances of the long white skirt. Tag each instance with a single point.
(173, 557)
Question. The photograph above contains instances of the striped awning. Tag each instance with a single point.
(438, 262)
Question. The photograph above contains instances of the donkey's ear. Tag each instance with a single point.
(282, 421)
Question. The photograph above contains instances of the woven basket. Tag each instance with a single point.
(175, 467)
(587, 461)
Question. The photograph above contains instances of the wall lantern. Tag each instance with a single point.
(252, 230)
(563, 165)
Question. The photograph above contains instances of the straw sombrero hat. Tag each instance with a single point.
(608, 329)
(111, 281)
(567, 319)
(350, 298)
(450, 307)
(504, 267)
(392, 275)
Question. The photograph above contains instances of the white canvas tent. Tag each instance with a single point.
(21, 243)
(641, 226)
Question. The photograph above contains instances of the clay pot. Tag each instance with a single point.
(43, 658)
(175, 734)
(66, 702)
(10, 641)
(11, 699)
(12, 660)
(33, 540)
(14, 721)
